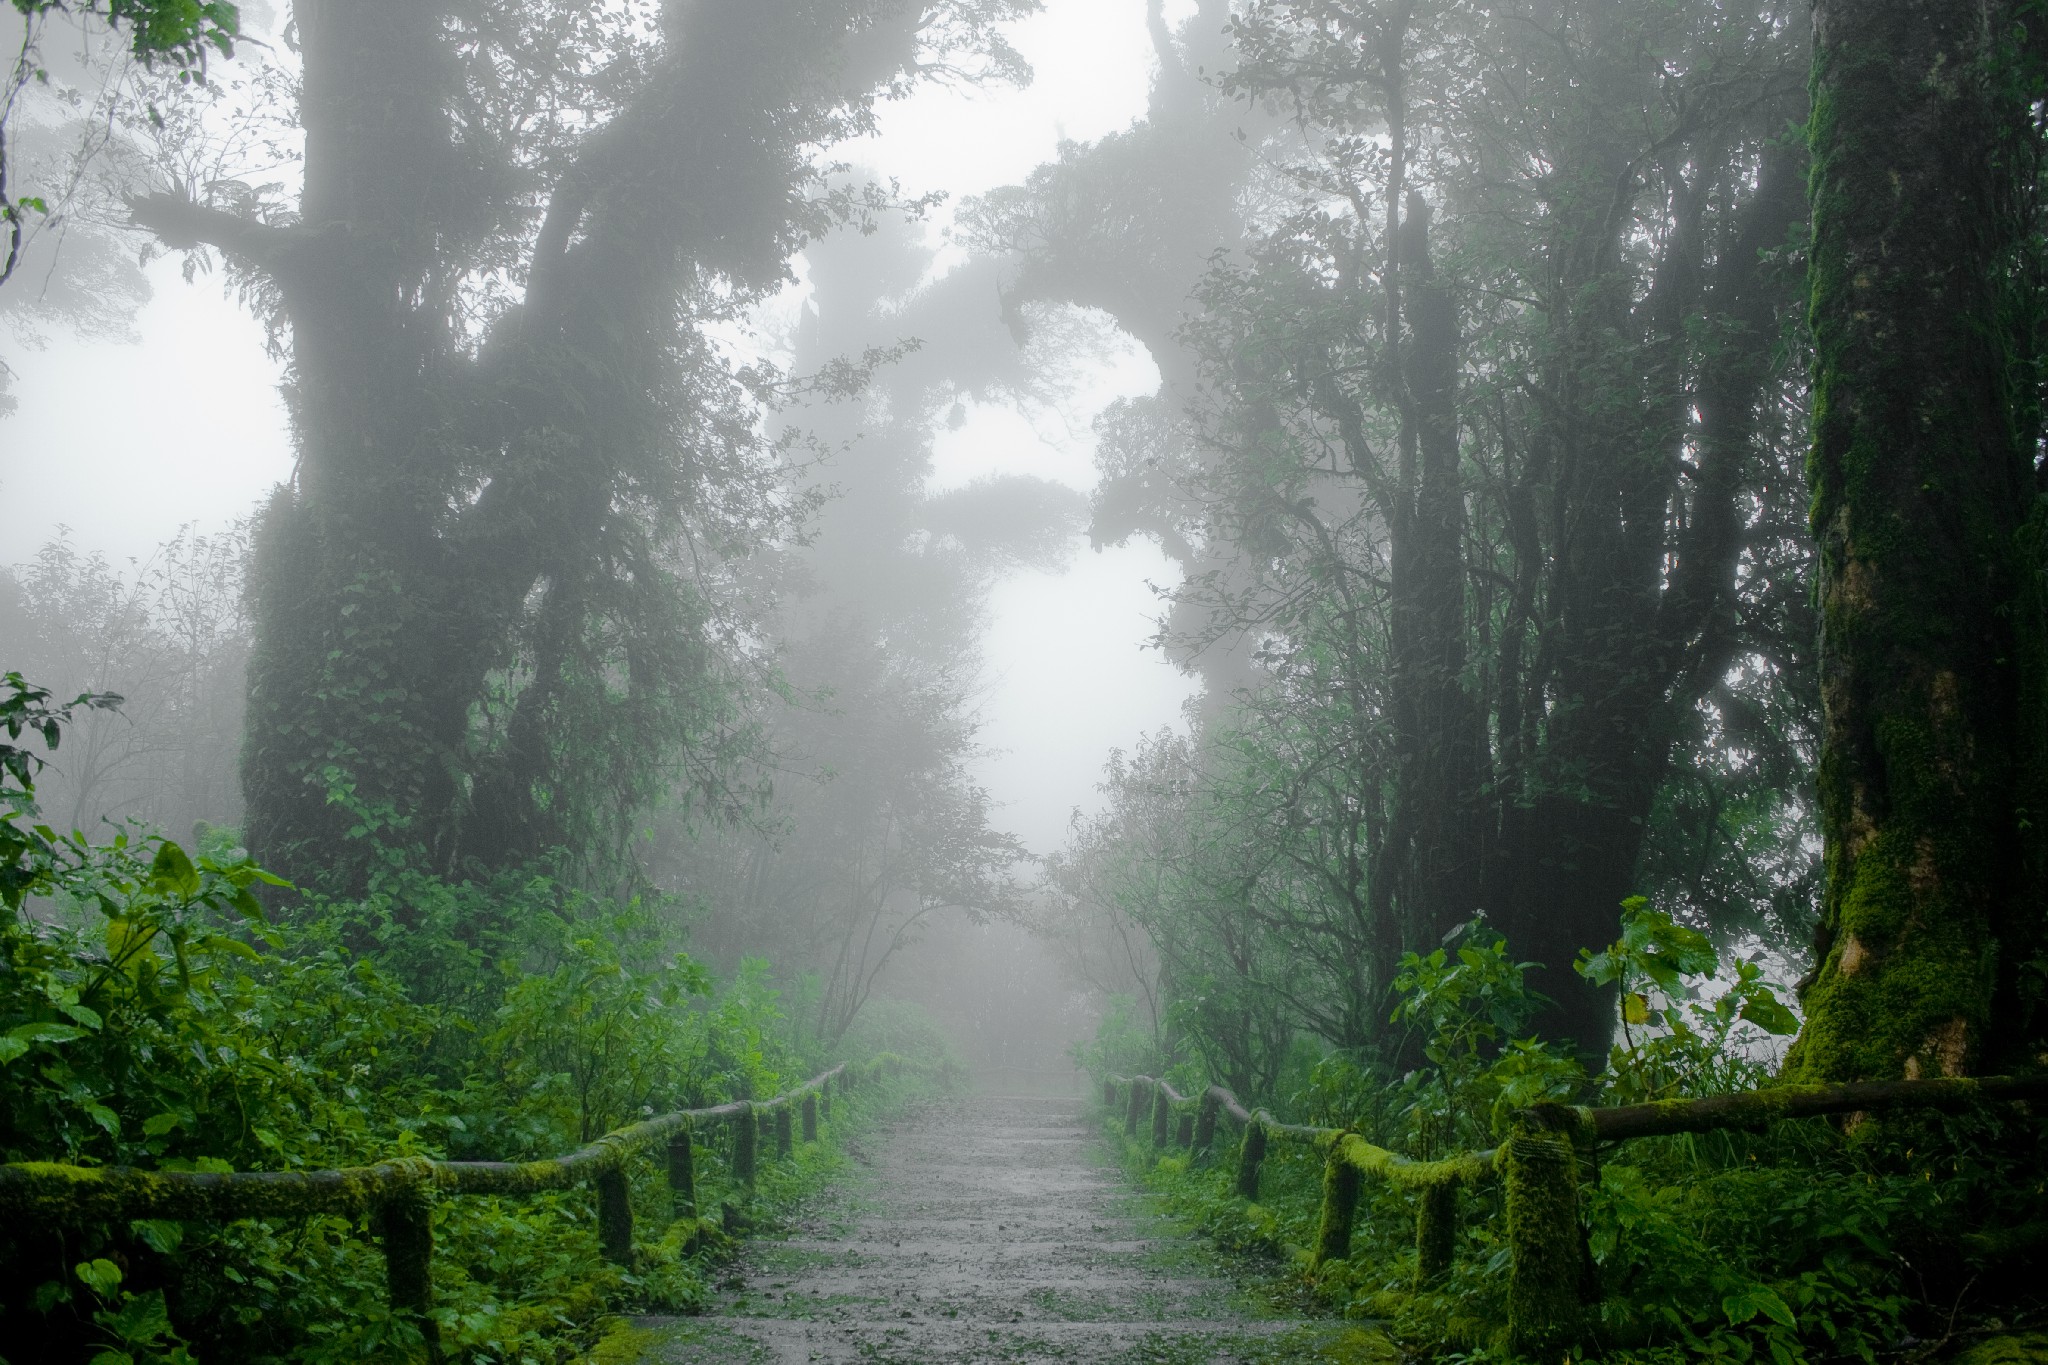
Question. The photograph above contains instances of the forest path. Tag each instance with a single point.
(985, 1229)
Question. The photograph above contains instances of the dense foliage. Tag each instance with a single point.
(151, 1014)
(1790, 1244)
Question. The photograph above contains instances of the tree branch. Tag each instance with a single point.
(184, 225)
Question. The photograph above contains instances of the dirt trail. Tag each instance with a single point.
(982, 1229)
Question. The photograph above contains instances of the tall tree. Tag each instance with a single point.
(1926, 507)
(484, 610)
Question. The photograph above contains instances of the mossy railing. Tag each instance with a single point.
(1539, 1165)
(398, 1195)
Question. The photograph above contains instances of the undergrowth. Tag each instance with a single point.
(182, 1010)
(1900, 1241)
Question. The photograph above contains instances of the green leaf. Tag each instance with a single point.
(159, 1234)
(100, 1276)
(10, 1048)
(141, 1321)
(44, 1033)
(1774, 1307)
(172, 872)
(1635, 1008)
(1769, 1013)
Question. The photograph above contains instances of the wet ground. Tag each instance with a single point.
(987, 1230)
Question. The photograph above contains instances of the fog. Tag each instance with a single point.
(1447, 594)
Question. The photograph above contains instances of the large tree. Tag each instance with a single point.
(485, 623)
(1926, 504)
(1482, 459)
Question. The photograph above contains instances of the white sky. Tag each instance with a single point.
(124, 444)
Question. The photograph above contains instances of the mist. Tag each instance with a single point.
(1314, 613)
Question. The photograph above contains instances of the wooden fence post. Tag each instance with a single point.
(1542, 1171)
(1133, 1109)
(1205, 1121)
(810, 1116)
(1436, 1230)
(1184, 1134)
(744, 1134)
(1250, 1157)
(682, 1175)
(784, 1139)
(615, 1216)
(1342, 1184)
(405, 1224)
(1162, 1115)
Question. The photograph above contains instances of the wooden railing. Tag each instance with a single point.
(398, 1195)
(1538, 1164)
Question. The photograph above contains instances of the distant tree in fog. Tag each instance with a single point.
(168, 634)
(495, 608)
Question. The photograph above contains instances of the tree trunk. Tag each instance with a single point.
(1428, 872)
(1921, 487)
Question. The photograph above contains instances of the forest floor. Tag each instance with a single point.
(990, 1229)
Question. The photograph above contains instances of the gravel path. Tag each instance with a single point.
(985, 1229)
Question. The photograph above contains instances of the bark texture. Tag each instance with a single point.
(1921, 489)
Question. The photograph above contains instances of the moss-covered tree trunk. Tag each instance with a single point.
(1921, 487)
(475, 638)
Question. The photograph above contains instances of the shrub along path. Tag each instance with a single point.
(986, 1229)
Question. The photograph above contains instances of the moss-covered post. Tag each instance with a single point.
(1436, 1230)
(1135, 1109)
(1184, 1131)
(745, 1130)
(1205, 1121)
(614, 1216)
(1162, 1116)
(405, 1224)
(1250, 1156)
(825, 1102)
(1931, 642)
(682, 1174)
(1542, 1176)
(785, 1141)
(810, 1116)
(1108, 1093)
(1342, 1184)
